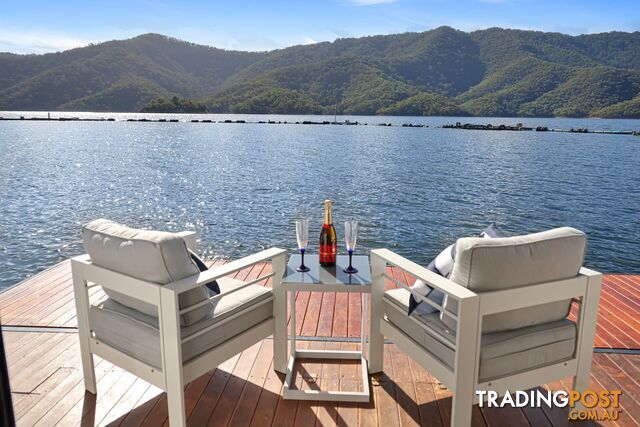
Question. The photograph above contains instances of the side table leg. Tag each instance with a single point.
(292, 323)
(363, 332)
(280, 316)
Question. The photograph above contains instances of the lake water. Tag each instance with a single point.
(241, 186)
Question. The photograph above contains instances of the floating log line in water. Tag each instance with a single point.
(163, 120)
(466, 126)
(61, 119)
(520, 127)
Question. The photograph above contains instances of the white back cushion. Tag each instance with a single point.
(154, 256)
(496, 264)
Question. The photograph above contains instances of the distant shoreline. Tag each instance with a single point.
(307, 115)
(519, 127)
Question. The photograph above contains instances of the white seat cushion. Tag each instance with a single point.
(501, 354)
(137, 334)
(497, 264)
(152, 256)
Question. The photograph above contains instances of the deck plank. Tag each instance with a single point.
(325, 318)
(144, 405)
(126, 404)
(39, 280)
(268, 400)
(308, 376)
(286, 410)
(340, 313)
(211, 394)
(245, 390)
(68, 400)
(302, 303)
(227, 402)
(329, 379)
(427, 405)
(57, 383)
(613, 378)
(248, 400)
(35, 366)
(354, 316)
(312, 314)
(83, 410)
(45, 370)
(349, 380)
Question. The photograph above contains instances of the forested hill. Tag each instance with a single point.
(493, 72)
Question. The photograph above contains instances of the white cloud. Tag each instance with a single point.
(37, 42)
(370, 2)
(308, 40)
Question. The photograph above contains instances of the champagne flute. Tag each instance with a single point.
(351, 234)
(302, 234)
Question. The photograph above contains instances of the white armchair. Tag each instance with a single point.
(503, 324)
(156, 319)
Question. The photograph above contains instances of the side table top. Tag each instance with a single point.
(330, 276)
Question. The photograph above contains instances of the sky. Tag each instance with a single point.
(47, 26)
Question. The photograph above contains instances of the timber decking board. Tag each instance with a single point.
(46, 300)
(245, 390)
(46, 376)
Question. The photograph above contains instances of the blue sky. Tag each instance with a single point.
(45, 26)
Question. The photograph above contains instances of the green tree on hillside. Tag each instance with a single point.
(174, 105)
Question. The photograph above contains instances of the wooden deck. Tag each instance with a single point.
(39, 323)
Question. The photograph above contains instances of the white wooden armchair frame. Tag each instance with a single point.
(174, 374)
(472, 307)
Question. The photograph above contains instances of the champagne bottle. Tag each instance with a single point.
(328, 241)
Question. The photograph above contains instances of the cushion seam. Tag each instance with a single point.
(526, 350)
(559, 328)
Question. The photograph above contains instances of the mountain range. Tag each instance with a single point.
(492, 72)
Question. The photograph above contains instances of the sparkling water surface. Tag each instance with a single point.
(241, 186)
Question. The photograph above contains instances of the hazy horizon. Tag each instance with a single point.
(265, 26)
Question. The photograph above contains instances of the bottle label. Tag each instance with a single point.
(327, 254)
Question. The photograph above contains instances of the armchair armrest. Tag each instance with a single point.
(432, 279)
(208, 276)
(532, 295)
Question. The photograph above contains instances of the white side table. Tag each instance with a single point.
(327, 279)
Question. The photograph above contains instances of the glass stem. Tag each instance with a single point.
(350, 256)
(302, 253)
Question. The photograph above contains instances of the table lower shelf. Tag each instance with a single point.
(327, 395)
